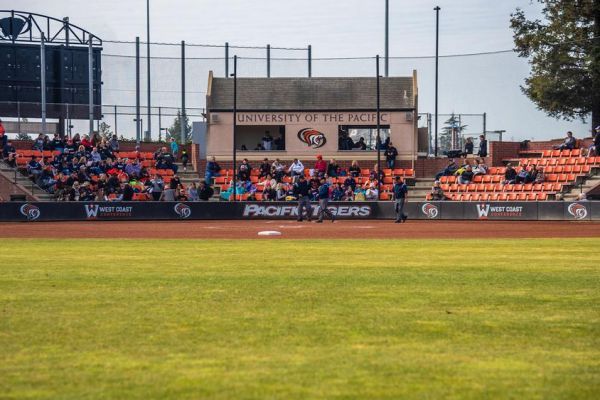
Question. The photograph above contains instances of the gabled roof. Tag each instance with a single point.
(310, 94)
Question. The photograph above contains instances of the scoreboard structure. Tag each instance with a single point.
(67, 51)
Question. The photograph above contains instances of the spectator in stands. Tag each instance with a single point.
(95, 156)
(259, 147)
(350, 182)
(390, 155)
(157, 185)
(532, 175)
(594, 148)
(86, 143)
(264, 169)
(480, 167)
(127, 194)
(174, 148)
(212, 170)
(338, 192)
(76, 140)
(448, 171)
(267, 141)
(376, 174)
(522, 176)
(361, 145)
(568, 144)
(244, 170)
(10, 154)
(113, 143)
(510, 174)
(348, 194)
(280, 192)
(354, 169)
(279, 143)
(466, 176)
(333, 169)
(296, 169)
(469, 145)
(184, 159)
(400, 194)
(34, 168)
(205, 192)
(57, 143)
(38, 143)
(540, 177)
(168, 194)
(437, 194)
(192, 192)
(372, 192)
(483, 147)
(278, 170)
(320, 166)
(164, 160)
(302, 193)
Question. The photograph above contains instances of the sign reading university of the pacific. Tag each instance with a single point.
(290, 118)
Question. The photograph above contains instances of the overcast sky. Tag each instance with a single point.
(350, 28)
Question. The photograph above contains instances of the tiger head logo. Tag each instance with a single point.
(578, 211)
(30, 211)
(312, 138)
(430, 210)
(183, 210)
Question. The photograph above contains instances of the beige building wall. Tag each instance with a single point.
(402, 127)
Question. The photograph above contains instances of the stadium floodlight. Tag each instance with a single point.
(437, 58)
(234, 75)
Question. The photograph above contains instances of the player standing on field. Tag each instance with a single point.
(302, 193)
(324, 201)
(400, 192)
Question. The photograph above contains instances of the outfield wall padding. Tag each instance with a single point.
(131, 211)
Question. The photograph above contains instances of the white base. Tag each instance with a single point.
(269, 233)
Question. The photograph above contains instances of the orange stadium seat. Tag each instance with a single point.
(547, 153)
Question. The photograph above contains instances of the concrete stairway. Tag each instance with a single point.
(421, 189)
(586, 185)
(27, 185)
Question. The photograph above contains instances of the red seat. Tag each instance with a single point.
(512, 197)
(552, 178)
(542, 196)
(522, 196)
(547, 153)
(494, 196)
(409, 173)
(502, 197)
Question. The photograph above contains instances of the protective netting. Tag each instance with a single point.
(468, 85)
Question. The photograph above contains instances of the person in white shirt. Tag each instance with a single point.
(296, 169)
(267, 141)
(480, 168)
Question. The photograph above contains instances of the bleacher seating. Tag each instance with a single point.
(562, 169)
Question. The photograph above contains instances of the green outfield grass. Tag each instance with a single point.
(346, 319)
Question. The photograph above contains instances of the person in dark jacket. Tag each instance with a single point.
(510, 175)
(212, 170)
(483, 150)
(468, 147)
(127, 193)
(205, 192)
(323, 197)
(400, 193)
(302, 193)
(390, 155)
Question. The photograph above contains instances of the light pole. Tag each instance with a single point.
(149, 136)
(378, 141)
(437, 56)
(234, 127)
(387, 38)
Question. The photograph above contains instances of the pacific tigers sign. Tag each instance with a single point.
(312, 137)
